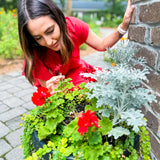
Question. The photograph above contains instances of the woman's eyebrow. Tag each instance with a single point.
(36, 36)
(48, 28)
(44, 32)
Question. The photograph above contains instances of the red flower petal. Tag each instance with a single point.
(38, 98)
(87, 120)
(82, 130)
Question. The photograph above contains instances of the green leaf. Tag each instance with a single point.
(71, 131)
(94, 102)
(53, 113)
(92, 108)
(106, 125)
(51, 124)
(43, 151)
(92, 152)
(55, 139)
(94, 138)
(75, 93)
(43, 132)
(76, 136)
(50, 127)
(69, 151)
(60, 101)
(69, 96)
(70, 128)
(82, 85)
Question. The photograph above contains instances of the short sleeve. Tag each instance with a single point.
(79, 27)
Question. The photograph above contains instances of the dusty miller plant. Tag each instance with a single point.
(119, 91)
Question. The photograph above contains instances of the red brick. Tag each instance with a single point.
(137, 34)
(134, 1)
(155, 36)
(156, 105)
(133, 19)
(150, 13)
(154, 81)
(152, 121)
(150, 56)
(155, 145)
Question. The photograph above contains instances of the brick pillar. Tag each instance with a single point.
(144, 32)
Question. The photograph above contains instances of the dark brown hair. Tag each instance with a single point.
(31, 9)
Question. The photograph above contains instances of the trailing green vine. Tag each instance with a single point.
(145, 145)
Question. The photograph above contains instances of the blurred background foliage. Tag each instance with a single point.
(8, 4)
(9, 42)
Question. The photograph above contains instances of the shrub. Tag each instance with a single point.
(9, 41)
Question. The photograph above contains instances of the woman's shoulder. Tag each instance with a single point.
(71, 20)
(75, 22)
(78, 29)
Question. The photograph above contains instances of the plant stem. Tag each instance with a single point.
(120, 107)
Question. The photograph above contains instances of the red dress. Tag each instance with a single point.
(78, 31)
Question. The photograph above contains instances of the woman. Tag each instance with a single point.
(50, 42)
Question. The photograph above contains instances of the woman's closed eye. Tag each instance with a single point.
(37, 39)
(51, 31)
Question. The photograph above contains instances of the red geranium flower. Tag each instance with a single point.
(92, 71)
(38, 98)
(87, 120)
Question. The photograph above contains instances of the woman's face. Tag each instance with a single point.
(45, 31)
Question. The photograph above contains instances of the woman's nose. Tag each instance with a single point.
(49, 41)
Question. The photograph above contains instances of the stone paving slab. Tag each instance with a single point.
(4, 95)
(13, 102)
(3, 130)
(6, 116)
(4, 147)
(12, 105)
(3, 108)
(13, 138)
(14, 123)
(15, 154)
(5, 86)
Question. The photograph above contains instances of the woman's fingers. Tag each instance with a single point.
(55, 79)
(130, 8)
(52, 83)
(51, 88)
(129, 3)
(128, 13)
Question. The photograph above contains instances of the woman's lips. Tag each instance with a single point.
(55, 45)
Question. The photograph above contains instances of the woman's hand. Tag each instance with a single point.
(52, 83)
(127, 16)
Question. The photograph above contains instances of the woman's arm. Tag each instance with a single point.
(101, 44)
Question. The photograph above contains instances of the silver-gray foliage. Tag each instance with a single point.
(120, 91)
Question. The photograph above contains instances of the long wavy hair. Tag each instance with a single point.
(31, 9)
